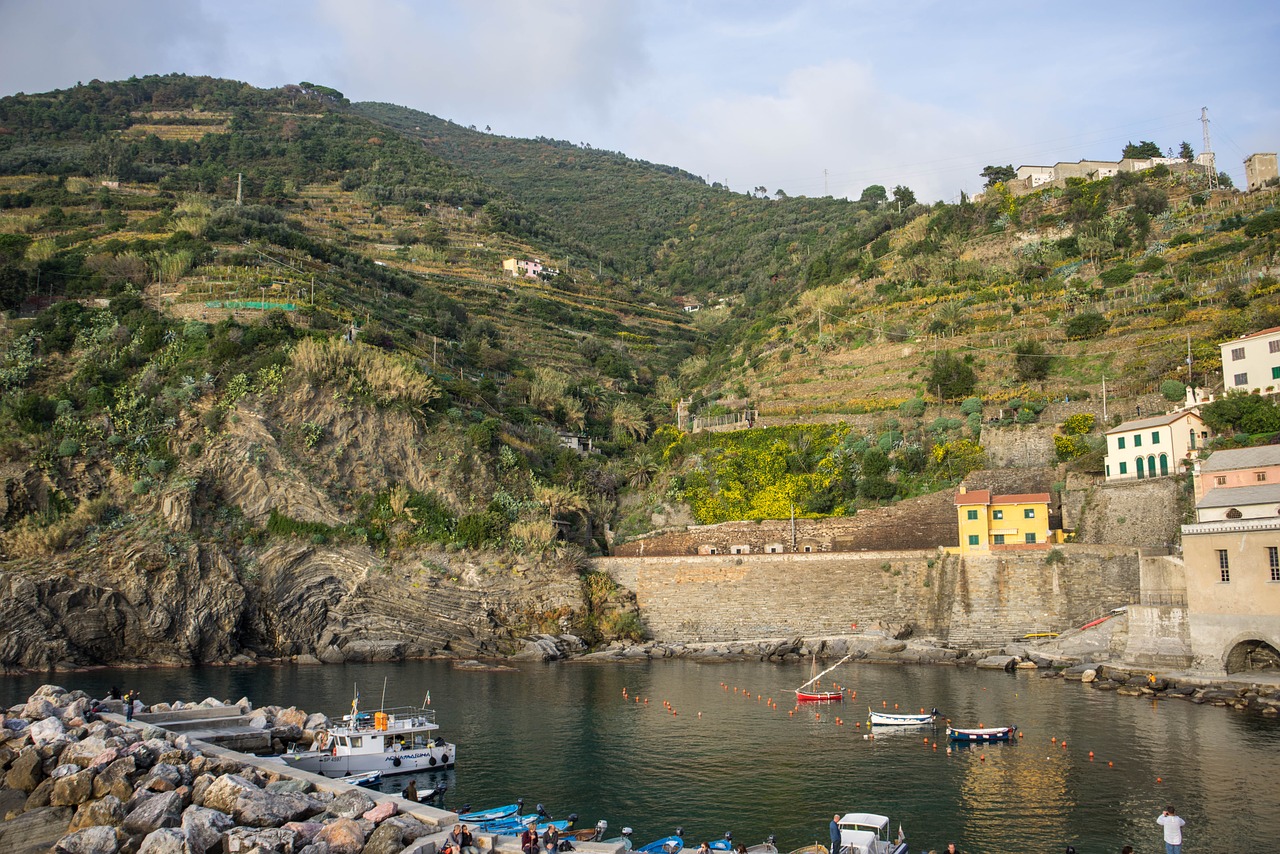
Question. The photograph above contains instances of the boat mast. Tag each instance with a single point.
(825, 672)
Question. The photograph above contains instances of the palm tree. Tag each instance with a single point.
(641, 471)
(559, 500)
(628, 420)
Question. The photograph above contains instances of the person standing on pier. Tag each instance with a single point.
(1172, 824)
(835, 834)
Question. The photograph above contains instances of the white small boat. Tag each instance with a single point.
(395, 741)
(368, 778)
(868, 833)
(882, 719)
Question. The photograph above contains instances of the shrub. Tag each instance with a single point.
(1027, 416)
(475, 530)
(1086, 325)
(1070, 447)
(68, 447)
(1118, 275)
(1055, 556)
(1079, 424)
(912, 408)
(972, 406)
(363, 370)
(1173, 390)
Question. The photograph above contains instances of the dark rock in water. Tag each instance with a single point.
(1076, 672)
(1106, 685)
(204, 828)
(91, 840)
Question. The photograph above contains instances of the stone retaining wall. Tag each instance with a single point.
(975, 600)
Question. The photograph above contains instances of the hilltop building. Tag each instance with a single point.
(1153, 447)
(1252, 362)
(1231, 558)
(991, 523)
(1030, 178)
(1260, 171)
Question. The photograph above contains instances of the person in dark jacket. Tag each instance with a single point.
(835, 834)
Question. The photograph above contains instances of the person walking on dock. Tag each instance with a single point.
(835, 834)
(1172, 824)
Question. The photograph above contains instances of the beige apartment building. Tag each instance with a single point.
(1252, 362)
(1155, 446)
(1259, 169)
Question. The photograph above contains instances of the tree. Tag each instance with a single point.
(997, 174)
(1088, 324)
(876, 194)
(950, 377)
(628, 420)
(903, 196)
(1030, 360)
(1224, 181)
(1237, 412)
(1185, 152)
(1143, 150)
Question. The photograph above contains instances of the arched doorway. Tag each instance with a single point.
(1164, 464)
(1252, 655)
(1151, 466)
(1141, 468)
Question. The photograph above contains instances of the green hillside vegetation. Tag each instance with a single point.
(146, 308)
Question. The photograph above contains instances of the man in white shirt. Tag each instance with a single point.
(1172, 824)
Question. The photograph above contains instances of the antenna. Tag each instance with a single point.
(826, 190)
(1207, 153)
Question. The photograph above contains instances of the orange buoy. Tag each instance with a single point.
(1054, 739)
(926, 739)
(699, 714)
(858, 724)
(792, 713)
(1090, 755)
(1064, 745)
(982, 758)
(817, 716)
(1110, 764)
(935, 745)
(1158, 780)
(884, 703)
(1019, 733)
(895, 706)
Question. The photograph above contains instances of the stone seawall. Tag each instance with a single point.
(977, 601)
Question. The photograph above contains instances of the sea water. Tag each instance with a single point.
(716, 748)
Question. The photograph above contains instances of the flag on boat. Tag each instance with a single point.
(902, 837)
(428, 698)
(355, 704)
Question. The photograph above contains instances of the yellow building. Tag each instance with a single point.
(991, 523)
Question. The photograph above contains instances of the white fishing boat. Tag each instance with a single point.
(867, 833)
(883, 719)
(393, 741)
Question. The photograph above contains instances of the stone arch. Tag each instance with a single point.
(1251, 655)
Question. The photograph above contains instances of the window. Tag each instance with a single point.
(808, 549)
(1274, 346)
(1220, 480)
(1124, 468)
(1237, 353)
(1029, 513)
(971, 515)
(1031, 537)
(999, 539)
(1120, 443)
(997, 514)
(1234, 513)
(1108, 469)
(1241, 379)
(973, 539)
(1155, 437)
(1225, 575)
(1273, 559)
(1275, 373)
(1137, 440)
(1261, 476)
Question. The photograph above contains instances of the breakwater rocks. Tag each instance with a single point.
(1137, 683)
(77, 785)
(873, 647)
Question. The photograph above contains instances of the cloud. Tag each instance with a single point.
(834, 116)
(46, 45)
(501, 62)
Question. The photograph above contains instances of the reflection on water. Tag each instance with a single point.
(701, 756)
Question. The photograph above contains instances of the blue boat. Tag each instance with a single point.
(494, 814)
(983, 734)
(666, 845)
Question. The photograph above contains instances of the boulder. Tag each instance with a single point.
(204, 828)
(108, 812)
(166, 840)
(26, 772)
(82, 752)
(35, 830)
(45, 731)
(385, 839)
(13, 802)
(164, 777)
(301, 787)
(38, 708)
(225, 791)
(316, 721)
(1076, 672)
(40, 795)
(380, 813)
(305, 831)
(256, 808)
(264, 840)
(1088, 676)
(343, 836)
(350, 804)
(997, 662)
(91, 840)
(163, 810)
(73, 789)
(115, 779)
(292, 717)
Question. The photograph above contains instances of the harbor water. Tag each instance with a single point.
(716, 748)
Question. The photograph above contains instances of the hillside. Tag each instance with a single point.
(261, 341)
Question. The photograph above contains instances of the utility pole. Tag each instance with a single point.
(1191, 385)
(239, 188)
(1104, 401)
(1207, 153)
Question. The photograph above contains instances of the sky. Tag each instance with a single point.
(813, 97)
